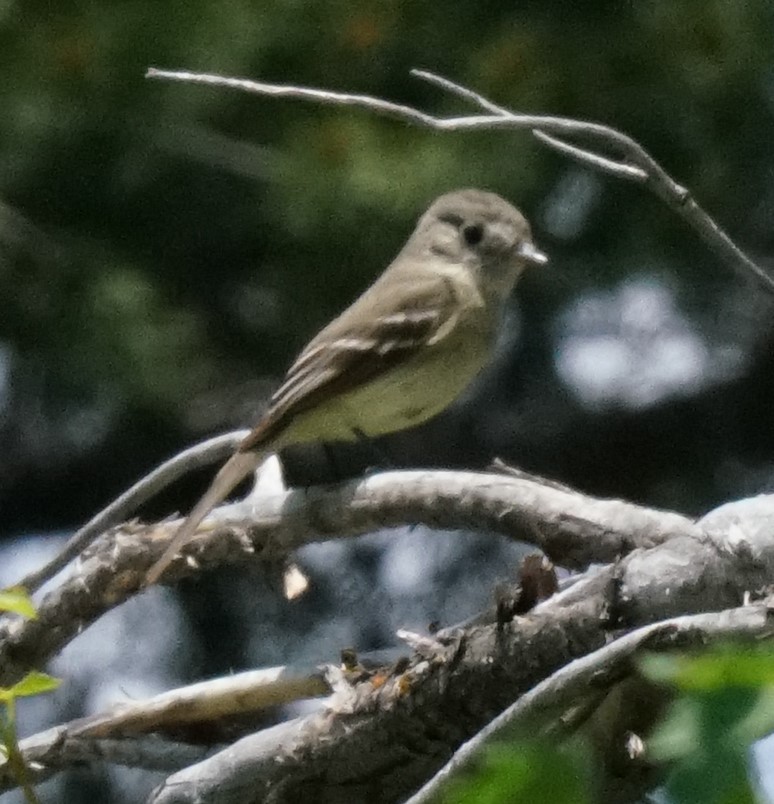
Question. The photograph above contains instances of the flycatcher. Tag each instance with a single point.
(403, 351)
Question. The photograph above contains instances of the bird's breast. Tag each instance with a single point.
(423, 386)
(409, 393)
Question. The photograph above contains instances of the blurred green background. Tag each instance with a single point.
(166, 249)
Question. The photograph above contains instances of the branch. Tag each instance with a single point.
(204, 454)
(573, 529)
(412, 718)
(390, 732)
(629, 159)
(377, 721)
(52, 751)
(211, 700)
(635, 164)
(549, 702)
(105, 737)
(206, 713)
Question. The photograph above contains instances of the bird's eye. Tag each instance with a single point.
(473, 233)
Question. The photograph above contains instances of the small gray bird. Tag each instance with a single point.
(403, 351)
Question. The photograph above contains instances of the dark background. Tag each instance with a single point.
(166, 249)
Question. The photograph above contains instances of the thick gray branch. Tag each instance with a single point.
(392, 731)
(387, 738)
(573, 529)
(551, 700)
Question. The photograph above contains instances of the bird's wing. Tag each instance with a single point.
(389, 329)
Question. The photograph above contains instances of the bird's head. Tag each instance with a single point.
(482, 231)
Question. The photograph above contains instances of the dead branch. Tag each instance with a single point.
(573, 529)
(388, 737)
(119, 734)
(415, 714)
(551, 701)
(616, 153)
(53, 751)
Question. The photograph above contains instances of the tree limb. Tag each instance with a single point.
(53, 751)
(573, 529)
(549, 702)
(415, 714)
(388, 737)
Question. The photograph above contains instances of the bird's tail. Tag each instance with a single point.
(233, 471)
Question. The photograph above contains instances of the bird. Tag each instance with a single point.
(399, 354)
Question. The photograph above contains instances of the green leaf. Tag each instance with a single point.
(727, 702)
(34, 683)
(760, 719)
(732, 665)
(17, 600)
(706, 734)
(532, 772)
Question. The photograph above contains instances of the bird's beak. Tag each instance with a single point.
(529, 252)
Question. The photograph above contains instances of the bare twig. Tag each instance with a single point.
(615, 167)
(52, 751)
(123, 507)
(205, 701)
(630, 161)
(462, 92)
(637, 164)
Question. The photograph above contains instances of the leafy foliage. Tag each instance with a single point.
(521, 771)
(726, 702)
(34, 683)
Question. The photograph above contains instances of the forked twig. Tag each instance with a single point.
(629, 160)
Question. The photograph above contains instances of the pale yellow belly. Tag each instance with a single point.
(403, 397)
